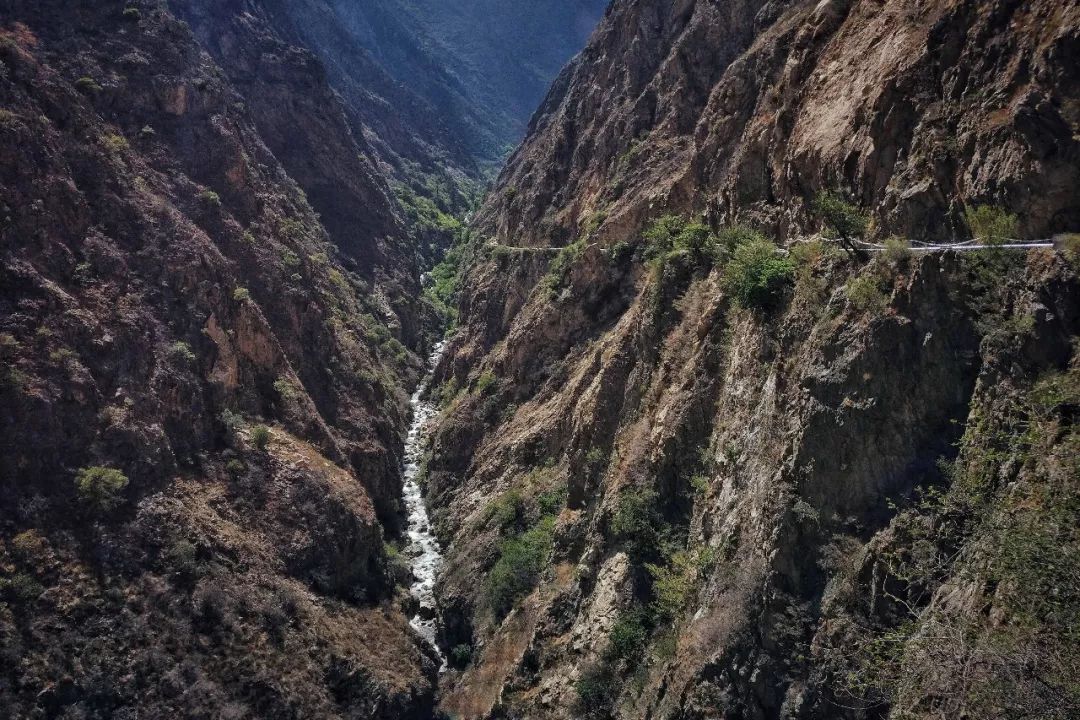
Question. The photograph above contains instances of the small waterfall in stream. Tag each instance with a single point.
(423, 552)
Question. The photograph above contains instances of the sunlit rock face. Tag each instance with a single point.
(785, 510)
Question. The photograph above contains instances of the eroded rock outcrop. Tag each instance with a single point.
(768, 510)
(747, 109)
(201, 405)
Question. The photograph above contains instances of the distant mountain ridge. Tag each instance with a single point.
(425, 86)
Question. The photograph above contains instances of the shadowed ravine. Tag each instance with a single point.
(423, 551)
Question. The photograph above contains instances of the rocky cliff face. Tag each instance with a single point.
(456, 81)
(306, 125)
(439, 91)
(823, 501)
(437, 87)
(747, 109)
(201, 388)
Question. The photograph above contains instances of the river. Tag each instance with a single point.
(423, 552)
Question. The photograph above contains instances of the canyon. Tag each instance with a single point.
(337, 382)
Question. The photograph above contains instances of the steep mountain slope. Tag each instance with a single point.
(201, 404)
(438, 91)
(443, 82)
(505, 54)
(705, 477)
(746, 109)
(307, 128)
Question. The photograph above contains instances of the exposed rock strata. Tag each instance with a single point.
(747, 109)
(785, 448)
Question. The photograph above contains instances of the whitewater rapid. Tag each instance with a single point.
(423, 552)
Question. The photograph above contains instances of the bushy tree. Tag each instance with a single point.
(757, 272)
(674, 234)
(629, 637)
(636, 520)
(260, 436)
(841, 217)
(100, 488)
(992, 225)
(521, 560)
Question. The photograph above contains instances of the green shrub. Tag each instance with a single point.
(447, 392)
(290, 260)
(866, 294)
(30, 545)
(629, 156)
(636, 519)
(551, 502)
(485, 382)
(87, 86)
(260, 436)
(700, 484)
(461, 655)
(395, 349)
(507, 510)
(9, 346)
(285, 389)
(666, 644)
(596, 689)
(181, 352)
(398, 563)
(733, 236)
(100, 488)
(9, 120)
(63, 356)
(232, 421)
(337, 278)
(559, 269)
(897, 250)
(292, 229)
(1056, 392)
(132, 14)
(842, 218)
(21, 588)
(235, 467)
(595, 460)
(115, 144)
(992, 225)
(441, 287)
(209, 199)
(757, 272)
(241, 294)
(182, 558)
(521, 560)
(620, 252)
(629, 637)
(84, 273)
(593, 223)
(660, 234)
(671, 235)
(13, 378)
(374, 330)
(672, 584)
(1070, 248)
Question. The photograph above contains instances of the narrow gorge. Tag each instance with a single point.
(540, 359)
